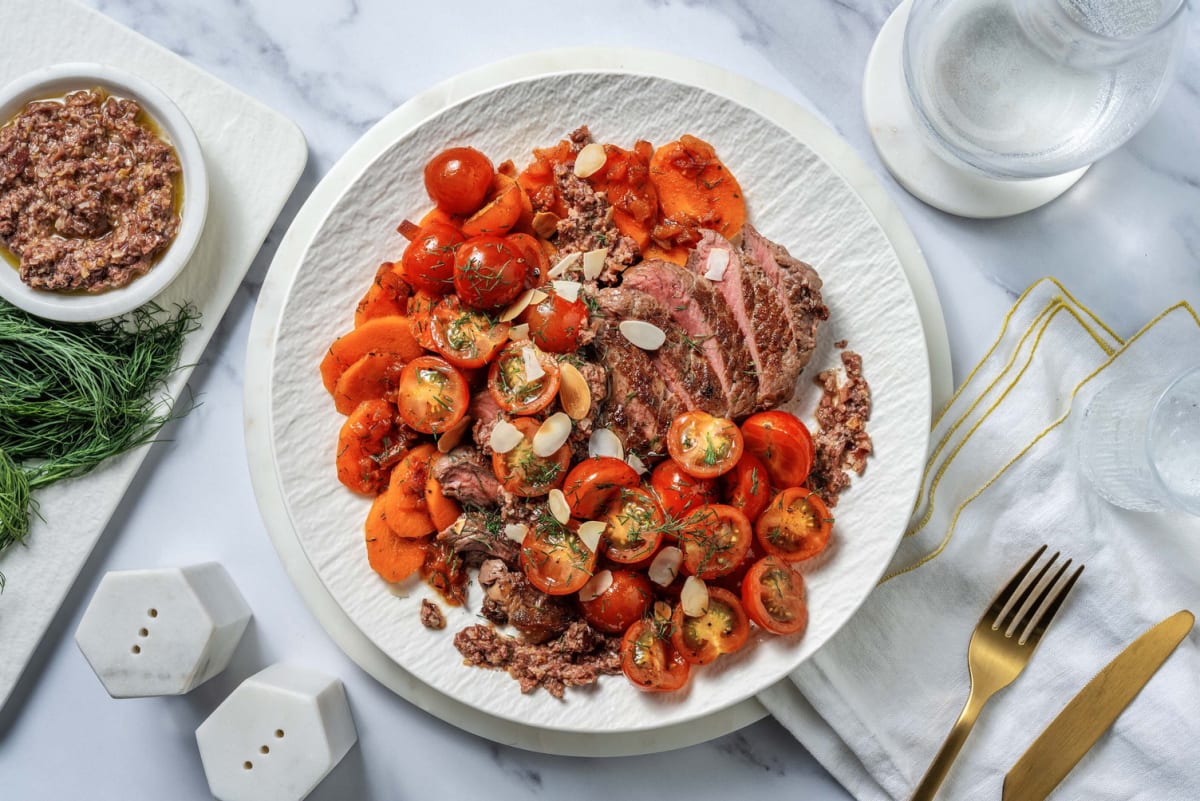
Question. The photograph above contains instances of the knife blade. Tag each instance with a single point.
(1089, 714)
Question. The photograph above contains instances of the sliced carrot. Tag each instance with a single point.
(677, 254)
(443, 510)
(375, 375)
(393, 557)
(381, 335)
(695, 186)
(410, 524)
(538, 178)
(364, 456)
(436, 215)
(379, 302)
(507, 168)
(406, 489)
(625, 181)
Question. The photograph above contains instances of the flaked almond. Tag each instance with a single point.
(644, 335)
(545, 224)
(552, 434)
(504, 437)
(519, 305)
(516, 531)
(519, 332)
(662, 610)
(559, 506)
(694, 597)
(605, 442)
(567, 290)
(573, 391)
(449, 440)
(637, 464)
(718, 261)
(593, 263)
(665, 567)
(564, 264)
(533, 367)
(589, 533)
(597, 585)
(590, 159)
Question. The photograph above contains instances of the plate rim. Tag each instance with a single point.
(798, 121)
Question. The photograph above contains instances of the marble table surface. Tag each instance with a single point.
(1125, 241)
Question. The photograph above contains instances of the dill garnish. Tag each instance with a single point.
(74, 395)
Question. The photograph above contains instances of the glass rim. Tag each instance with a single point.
(1150, 32)
(1175, 500)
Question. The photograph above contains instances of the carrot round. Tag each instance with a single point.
(363, 452)
(373, 376)
(695, 186)
(410, 524)
(393, 557)
(387, 297)
(406, 489)
(381, 335)
(436, 215)
(443, 510)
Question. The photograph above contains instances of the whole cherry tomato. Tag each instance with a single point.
(458, 179)
(747, 486)
(556, 323)
(596, 483)
(783, 444)
(625, 601)
(679, 492)
(428, 261)
(488, 272)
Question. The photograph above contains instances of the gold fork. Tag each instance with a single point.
(1001, 645)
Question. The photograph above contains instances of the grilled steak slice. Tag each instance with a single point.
(535, 614)
(797, 282)
(761, 314)
(640, 405)
(680, 359)
(475, 538)
(696, 306)
(465, 475)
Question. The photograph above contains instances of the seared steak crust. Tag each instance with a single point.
(640, 405)
(796, 281)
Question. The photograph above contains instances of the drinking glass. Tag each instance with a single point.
(1021, 89)
(1139, 444)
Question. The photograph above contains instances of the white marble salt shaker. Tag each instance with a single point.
(276, 736)
(163, 631)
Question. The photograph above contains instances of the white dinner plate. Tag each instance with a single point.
(778, 153)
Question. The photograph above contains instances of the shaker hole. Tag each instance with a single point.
(279, 733)
(143, 632)
(247, 764)
(152, 612)
(137, 649)
(264, 750)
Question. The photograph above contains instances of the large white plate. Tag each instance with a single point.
(795, 197)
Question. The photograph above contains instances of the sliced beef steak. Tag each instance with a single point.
(797, 282)
(680, 360)
(465, 474)
(640, 405)
(698, 309)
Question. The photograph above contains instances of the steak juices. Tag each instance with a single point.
(569, 382)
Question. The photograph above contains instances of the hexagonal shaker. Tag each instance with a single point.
(163, 631)
(276, 736)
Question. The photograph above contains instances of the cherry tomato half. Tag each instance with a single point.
(714, 540)
(747, 486)
(795, 526)
(509, 385)
(554, 558)
(458, 179)
(783, 444)
(488, 272)
(722, 629)
(428, 261)
(467, 338)
(773, 595)
(523, 472)
(649, 660)
(595, 483)
(556, 323)
(678, 492)
(634, 527)
(433, 395)
(704, 446)
(623, 603)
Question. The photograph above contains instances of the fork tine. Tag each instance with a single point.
(1034, 595)
(1019, 603)
(1045, 614)
(1000, 603)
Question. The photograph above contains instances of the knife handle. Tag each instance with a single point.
(940, 766)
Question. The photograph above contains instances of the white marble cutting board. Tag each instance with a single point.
(254, 157)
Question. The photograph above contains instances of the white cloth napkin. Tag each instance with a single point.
(876, 702)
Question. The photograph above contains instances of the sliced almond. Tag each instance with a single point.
(590, 159)
(533, 367)
(573, 391)
(597, 585)
(718, 261)
(637, 464)
(516, 531)
(694, 597)
(662, 610)
(567, 290)
(552, 434)
(644, 335)
(519, 332)
(564, 264)
(665, 567)
(593, 263)
(449, 440)
(545, 224)
(559, 506)
(605, 442)
(519, 305)
(590, 532)
(504, 437)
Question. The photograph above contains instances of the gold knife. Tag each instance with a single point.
(1092, 711)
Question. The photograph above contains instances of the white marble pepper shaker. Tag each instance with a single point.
(163, 631)
(276, 736)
